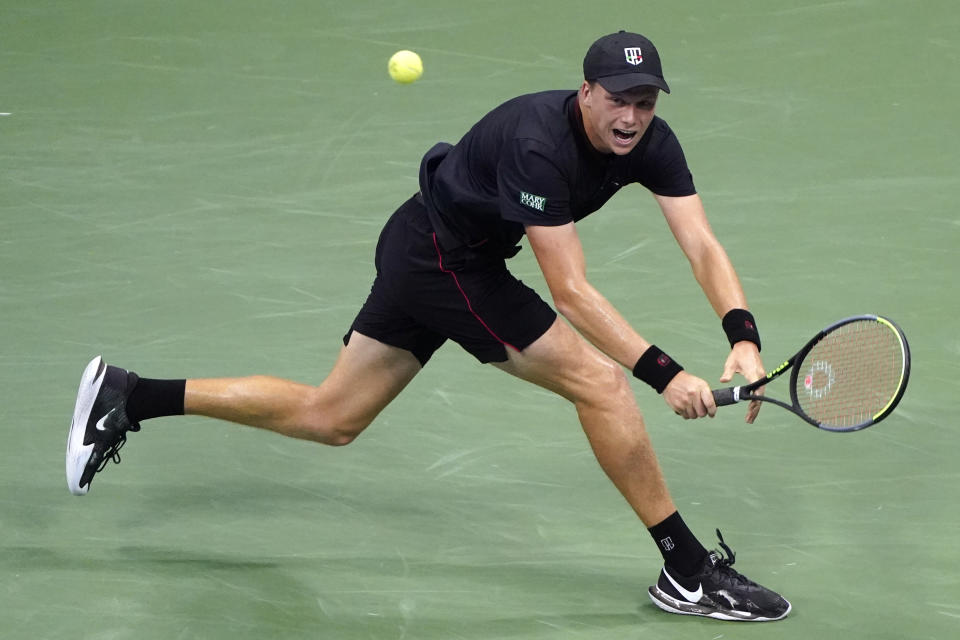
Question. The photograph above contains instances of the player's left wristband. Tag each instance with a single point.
(656, 368)
(739, 325)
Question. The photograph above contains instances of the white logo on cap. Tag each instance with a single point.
(633, 54)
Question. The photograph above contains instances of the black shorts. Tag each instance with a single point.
(423, 295)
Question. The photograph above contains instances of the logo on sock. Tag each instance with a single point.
(667, 544)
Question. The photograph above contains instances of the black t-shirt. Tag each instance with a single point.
(528, 162)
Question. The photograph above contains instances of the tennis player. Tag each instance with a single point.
(533, 166)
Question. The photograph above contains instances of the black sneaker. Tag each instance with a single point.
(100, 423)
(718, 591)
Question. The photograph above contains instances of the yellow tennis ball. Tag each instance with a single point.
(405, 67)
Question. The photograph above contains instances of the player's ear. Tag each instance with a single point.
(586, 89)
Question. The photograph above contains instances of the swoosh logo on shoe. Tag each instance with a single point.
(102, 422)
(690, 596)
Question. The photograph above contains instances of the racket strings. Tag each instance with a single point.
(851, 375)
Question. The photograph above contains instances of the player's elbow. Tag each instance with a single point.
(563, 306)
(569, 304)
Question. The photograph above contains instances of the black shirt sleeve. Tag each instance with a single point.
(663, 168)
(533, 190)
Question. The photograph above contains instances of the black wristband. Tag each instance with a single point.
(656, 368)
(739, 325)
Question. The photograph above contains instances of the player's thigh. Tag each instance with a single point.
(367, 375)
(564, 362)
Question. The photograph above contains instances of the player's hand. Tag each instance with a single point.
(744, 359)
(690, 396)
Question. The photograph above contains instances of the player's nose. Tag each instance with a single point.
(640, 113)
(631, 116)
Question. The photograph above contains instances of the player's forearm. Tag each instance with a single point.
(711, 265)
(600, 323)
(718, 279)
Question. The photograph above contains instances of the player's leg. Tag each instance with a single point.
(111, 401)
(367, 375)
(563, 362)
(383, 351)
(692, 581)
(480, 305)
(490, 313)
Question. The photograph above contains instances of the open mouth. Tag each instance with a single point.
(624, 137)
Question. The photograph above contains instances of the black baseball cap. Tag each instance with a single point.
(622, 61)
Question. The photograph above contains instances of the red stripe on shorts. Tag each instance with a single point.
(467, 299)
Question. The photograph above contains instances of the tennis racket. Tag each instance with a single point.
(849, 376)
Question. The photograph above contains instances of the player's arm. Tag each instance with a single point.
(560, 255)
(717, 277)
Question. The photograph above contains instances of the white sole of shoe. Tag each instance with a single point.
(672, 605)
(77, 453)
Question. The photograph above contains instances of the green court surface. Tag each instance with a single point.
(196, 188)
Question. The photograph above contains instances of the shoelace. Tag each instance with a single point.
(724, 565)
(113, 452)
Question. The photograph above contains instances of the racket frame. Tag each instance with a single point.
(732, 395)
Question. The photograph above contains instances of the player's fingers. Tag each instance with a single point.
(754, 408)
(697, 405)
(706, 397)
(727, 374)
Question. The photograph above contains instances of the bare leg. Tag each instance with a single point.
(565, 363)
(365, 378)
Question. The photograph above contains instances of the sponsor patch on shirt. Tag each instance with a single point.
(532, 201)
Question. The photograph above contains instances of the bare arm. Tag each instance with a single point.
(718, 279)
(708, 259)
(560, 255)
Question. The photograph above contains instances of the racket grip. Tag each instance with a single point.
(723, 397)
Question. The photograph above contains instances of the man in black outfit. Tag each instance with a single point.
(533, 166)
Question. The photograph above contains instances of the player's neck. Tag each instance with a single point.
(587, 128)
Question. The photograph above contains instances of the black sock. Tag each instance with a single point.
(156, 398)
(681, 550)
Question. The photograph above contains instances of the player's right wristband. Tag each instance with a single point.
(656, 368)
(739, 325)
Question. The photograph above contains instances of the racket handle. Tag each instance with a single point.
(723, 397)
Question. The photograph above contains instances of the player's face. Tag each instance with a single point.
(615, 122)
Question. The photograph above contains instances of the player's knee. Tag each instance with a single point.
(339, 438)
(337, 431)
(614, 380)
(334, 434)
(330, 421)
(602, 378)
